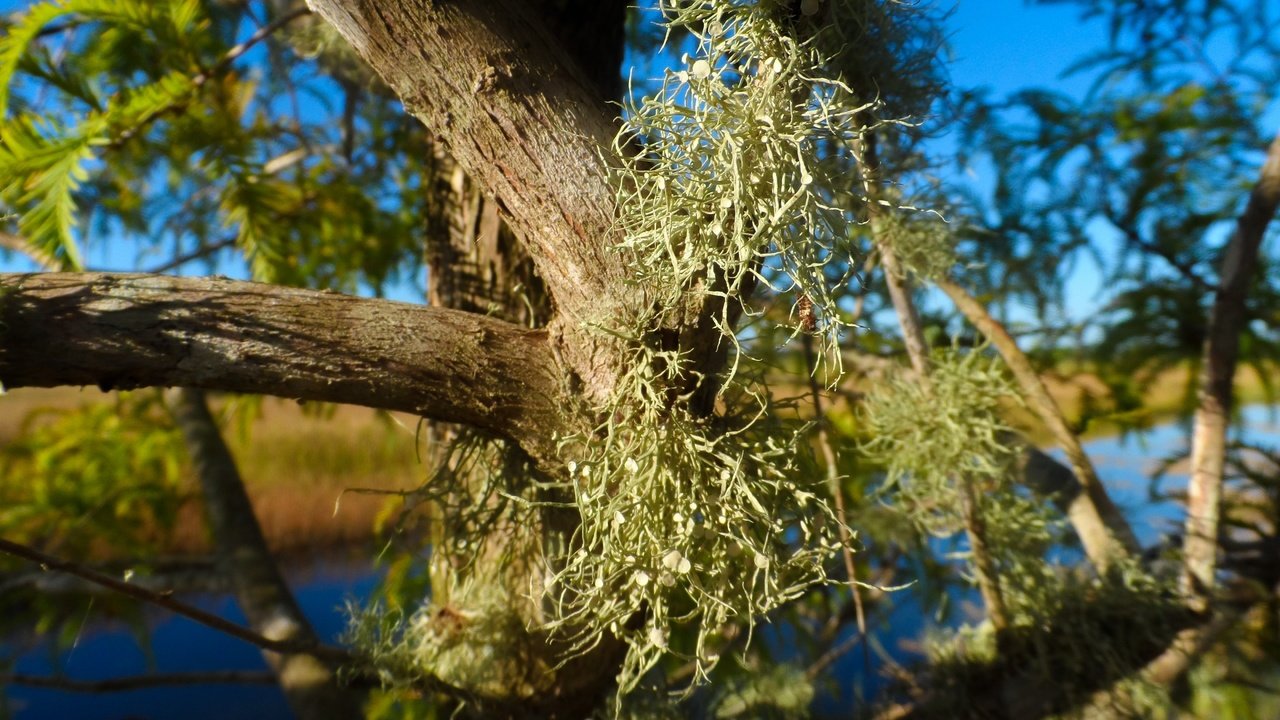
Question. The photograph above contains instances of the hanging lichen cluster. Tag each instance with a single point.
(1071, 651)
(740, 179)
(1071, 639)
(745, 172)
(684, 524)
(688, 521)
(926, 434)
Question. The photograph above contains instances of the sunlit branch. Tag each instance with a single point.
(1218, 370)
(1108, 535)
(126, 331)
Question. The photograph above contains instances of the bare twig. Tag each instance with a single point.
(837, 492)
(161, 599)
(200, 252)
(137, 682)
(833, 479)
(217, 68)
(1186, 270)
(825, 660)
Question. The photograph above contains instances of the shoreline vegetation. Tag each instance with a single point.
(297, 461)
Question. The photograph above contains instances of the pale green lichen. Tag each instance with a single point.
(684, 522)
(927, 434)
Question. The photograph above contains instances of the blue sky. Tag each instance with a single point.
(1008, 44)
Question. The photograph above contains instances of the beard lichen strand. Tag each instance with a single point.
(681, 517)
(685, 520)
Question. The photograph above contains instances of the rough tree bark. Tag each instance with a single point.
(127, 331)
(522, 120)
(476, 263)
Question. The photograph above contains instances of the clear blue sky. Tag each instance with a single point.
(1010, 44)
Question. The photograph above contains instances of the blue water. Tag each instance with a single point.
(1125, 464)
(179, 645)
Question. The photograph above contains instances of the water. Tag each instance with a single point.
(1125, 464)
(180, 645)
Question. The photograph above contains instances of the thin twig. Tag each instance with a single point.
(826, 659)
(166, 601)
(1131, 233)
(833, 478)
(223, 63)
(198, 253)
(215, 677)
(917, 349)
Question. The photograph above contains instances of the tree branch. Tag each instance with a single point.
(137, 682)
(1221, 348)
(127, 331)
(310, 683)
(48, 562)
(201, 252)
(1103, 531)
(364, 675)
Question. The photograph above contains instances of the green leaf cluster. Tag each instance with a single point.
(102, 478)
(153, 116)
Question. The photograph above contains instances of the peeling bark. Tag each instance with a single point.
(122, 331)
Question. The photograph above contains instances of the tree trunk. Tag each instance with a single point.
(522, 119)
(476, 263)
(1221, 347)
(310, 683)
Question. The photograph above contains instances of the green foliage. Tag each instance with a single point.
(100, 478)
(926, 434)
(39, 177)
(779, 692)
(43, 157)
(1142, 178)
(153, 93)
(166, 19)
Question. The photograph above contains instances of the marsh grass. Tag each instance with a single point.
(295, 462)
